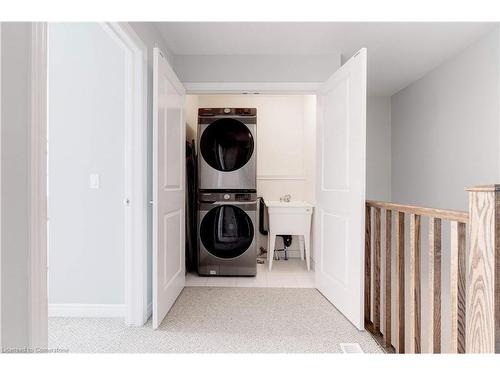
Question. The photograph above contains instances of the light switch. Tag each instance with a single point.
(94, 181)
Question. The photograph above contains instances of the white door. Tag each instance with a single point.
(168, 188)
(341, 139)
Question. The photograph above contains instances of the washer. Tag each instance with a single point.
(227, 234)
(227, 145)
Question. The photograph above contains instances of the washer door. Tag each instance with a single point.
(226, 231)
(226, 144)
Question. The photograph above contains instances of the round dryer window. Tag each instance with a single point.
(226, 144)
(226, 231)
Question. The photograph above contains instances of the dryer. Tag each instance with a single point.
(227, 149)
(227, 242)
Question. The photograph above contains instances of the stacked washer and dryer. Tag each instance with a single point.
(227, 195)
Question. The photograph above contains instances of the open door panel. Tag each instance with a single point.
(340, 195)
(168, 188)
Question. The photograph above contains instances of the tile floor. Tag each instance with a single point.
(291, 273)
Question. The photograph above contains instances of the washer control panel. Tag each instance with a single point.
(209, 112)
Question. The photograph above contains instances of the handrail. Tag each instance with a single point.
(452, 215)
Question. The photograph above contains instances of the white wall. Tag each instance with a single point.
(191, 112)
(15, 138)
(445, 129)
(445, 137)
(378, 148)
(0, 186)
(310, 147)
(255, 68)
(86, 135)
(285, 142)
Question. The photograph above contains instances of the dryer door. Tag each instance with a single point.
(227, 145)
(226, 231)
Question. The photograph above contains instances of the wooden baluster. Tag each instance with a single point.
(400, 278)
(457, 287)
(376, 294)
(415, 306)
(435, 285)
(368, 266)
(388, 258)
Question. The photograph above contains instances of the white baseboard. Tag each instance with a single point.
(77, 310)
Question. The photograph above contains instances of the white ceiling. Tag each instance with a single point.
(398, 53)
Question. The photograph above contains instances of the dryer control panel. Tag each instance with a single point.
(227, 196)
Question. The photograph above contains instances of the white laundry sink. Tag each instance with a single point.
(290, 218)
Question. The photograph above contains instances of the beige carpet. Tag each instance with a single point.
(235, 320)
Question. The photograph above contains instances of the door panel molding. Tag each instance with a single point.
(173, 144)
(333, 243)
(340, 160)
(167, 279)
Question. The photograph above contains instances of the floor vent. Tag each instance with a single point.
(351, 348)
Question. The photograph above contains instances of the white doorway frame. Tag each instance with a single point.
(237, 88)
(38, 204)
(136, 203)
(136, 276)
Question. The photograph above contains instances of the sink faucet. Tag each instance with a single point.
(286, 198)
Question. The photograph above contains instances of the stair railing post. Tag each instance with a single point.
(482, 264)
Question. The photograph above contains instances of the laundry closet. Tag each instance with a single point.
(271, 157)
(310, 170)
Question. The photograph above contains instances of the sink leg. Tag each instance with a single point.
(270, 251)
(301, 247)
(307, 247)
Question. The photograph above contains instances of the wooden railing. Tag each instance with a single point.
(373, 306)
(474, 274)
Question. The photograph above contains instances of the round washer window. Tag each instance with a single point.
(226, 144)
(226, 231)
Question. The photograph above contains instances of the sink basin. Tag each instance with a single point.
(292, 218)
(292, 204)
